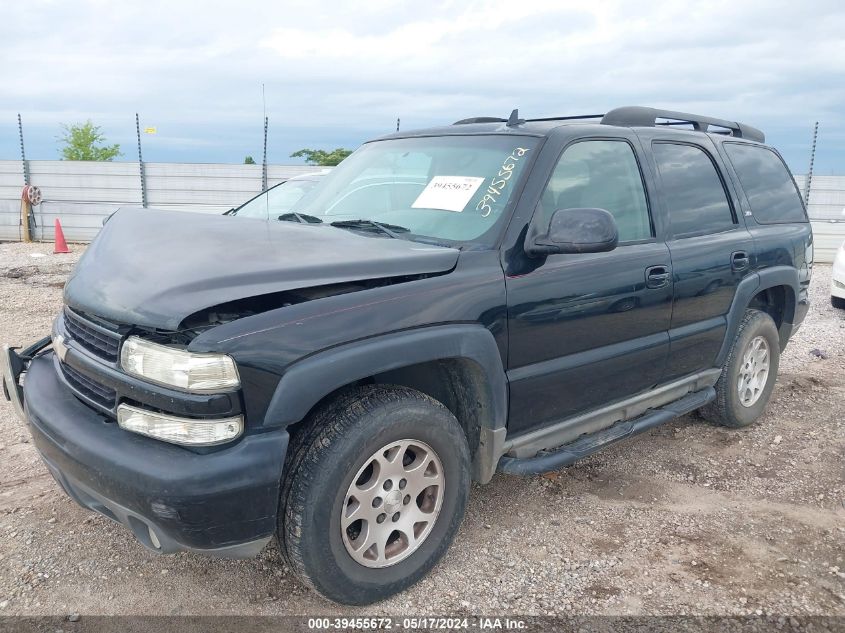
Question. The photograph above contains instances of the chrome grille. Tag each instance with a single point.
(93, 337)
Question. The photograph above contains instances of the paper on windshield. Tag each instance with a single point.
(448, 193)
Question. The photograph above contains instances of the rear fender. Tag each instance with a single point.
(749, 287)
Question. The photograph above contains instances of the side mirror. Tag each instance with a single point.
(575, 231)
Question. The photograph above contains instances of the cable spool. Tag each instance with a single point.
(31, 194)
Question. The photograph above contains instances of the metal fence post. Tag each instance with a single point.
(143, 173)
(23, 153)
(809, 180)
(27, 222)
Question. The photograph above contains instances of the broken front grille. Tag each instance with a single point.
(96, 338)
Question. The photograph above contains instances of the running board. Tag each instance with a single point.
(546, 461)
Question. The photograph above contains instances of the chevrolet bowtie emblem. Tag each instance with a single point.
(59, 346)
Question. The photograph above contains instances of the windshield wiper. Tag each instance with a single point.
(302, 218)
(391, 230)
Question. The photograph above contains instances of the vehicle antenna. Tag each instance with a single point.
(264, 159)
(513, 119)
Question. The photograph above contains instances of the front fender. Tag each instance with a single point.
(308, 381)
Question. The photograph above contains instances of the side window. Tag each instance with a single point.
(767, 183)
(694, 194)
(601, 174)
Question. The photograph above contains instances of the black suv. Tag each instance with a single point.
(496, 295)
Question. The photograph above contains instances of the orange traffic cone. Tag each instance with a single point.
(61, 245)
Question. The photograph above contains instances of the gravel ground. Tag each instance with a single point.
(687, 519)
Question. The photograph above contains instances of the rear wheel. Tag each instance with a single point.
(749, 373)
(374, 493)
(837, 302)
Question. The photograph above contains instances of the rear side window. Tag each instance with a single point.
(767, 183)
(694, 194)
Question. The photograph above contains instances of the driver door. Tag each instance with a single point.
(586, 330)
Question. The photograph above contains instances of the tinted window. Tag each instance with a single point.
(601, 174)
(692, 189)
(767, 184)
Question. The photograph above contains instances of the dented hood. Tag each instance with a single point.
(154, 268)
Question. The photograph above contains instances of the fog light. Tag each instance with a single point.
(185, 431)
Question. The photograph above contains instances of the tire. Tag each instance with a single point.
(350, 443)
(731, 407)
(837, 302)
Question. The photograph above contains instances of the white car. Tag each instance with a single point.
(837, 284)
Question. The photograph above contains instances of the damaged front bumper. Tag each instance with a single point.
(12, 365)
(221, 503)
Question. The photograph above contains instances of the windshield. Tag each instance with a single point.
(453, 188)
(275, 201)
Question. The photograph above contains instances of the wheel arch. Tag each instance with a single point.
(776, 301)
(771, 290)
(459, 365)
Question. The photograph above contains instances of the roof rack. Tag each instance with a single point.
(638, 116)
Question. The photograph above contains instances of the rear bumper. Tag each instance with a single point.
(802, 307)
(801, 310)
(221, 503)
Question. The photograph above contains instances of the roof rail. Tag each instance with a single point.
(567, 118)
(638, 116)
(480, 119)
(493, 119)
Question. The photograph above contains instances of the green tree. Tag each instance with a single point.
(322, 157)
(80, 142)
(249, 160)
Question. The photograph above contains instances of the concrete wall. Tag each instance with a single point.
(82, 193)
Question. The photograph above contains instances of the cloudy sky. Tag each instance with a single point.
(337, 73)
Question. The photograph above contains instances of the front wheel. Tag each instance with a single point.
(749, 373)
(375, 490)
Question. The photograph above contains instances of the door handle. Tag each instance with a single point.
(739, 260)
(657, 276)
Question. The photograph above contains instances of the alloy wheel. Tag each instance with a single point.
(392, 503)
(754, 371)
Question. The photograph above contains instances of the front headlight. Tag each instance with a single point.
(178, 368)
(185, 431)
